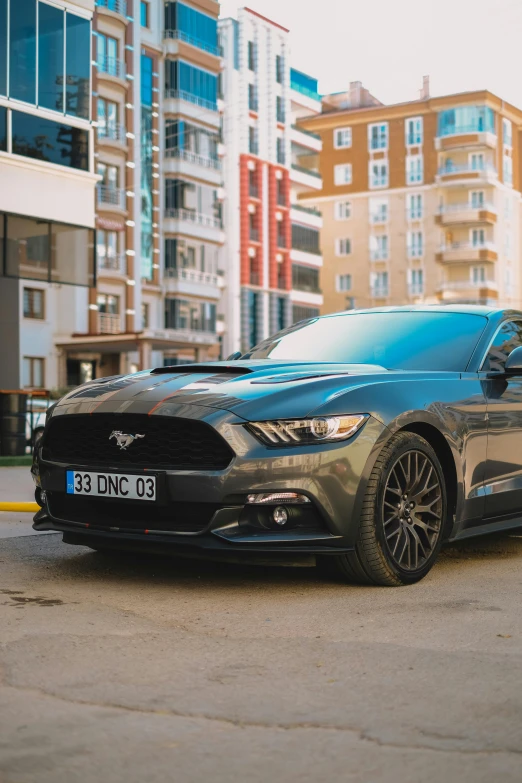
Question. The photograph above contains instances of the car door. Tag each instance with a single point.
(503, 476)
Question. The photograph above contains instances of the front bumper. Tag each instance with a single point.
(332, 476)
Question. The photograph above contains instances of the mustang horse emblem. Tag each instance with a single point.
(122, 439)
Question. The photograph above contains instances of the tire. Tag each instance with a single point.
(388, 528)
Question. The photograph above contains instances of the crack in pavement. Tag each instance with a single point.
(361, 734)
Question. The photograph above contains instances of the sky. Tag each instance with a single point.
(390, 45)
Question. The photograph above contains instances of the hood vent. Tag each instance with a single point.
(185, 369)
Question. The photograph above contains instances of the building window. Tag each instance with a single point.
(252, 97)
(144, 14)
(281, 156)
(507, 245)
(303, 313)
(305, 278)
(343, 174)
(378, 136)
(378, 210)
(416, 282)
(344, 283)
(145, 309)
(251, 56)
(108, 303)
(478, 274)
(415, 244)
(414, 206)
(414, 131)
(305, 239)
(507, 170)
(107, 49)
(33, 372)
(342, 138)
(343, 247)
(343, 210)
(379, 175)
(477, 199)
(279, 68)
(34, 303)
(187, 24)
(54, 142)
(253, 146)
(507, 133)
(190, 83)
(414, 169)
(108, 119)
(107, 249)
(59, 79)
(379, 284)
(466, 119)
(280, 109)
(478, 237)
(379, 247)
(476, 161)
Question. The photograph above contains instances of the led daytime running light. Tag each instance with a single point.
(323, 429)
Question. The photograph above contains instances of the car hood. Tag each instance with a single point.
(252, 390)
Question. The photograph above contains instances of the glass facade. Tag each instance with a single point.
(59, 77)
(304, 84)
(48, 251)
(185, 314)
(466, 119)
(305, 278)
(3, 128)
(51, 141)
(306, 239)
(193, 82)
(146, 169)
(193, 26)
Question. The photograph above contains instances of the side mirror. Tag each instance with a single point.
(514, 362)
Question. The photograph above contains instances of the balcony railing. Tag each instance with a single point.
(458, 130)
(308, 210)
(179, 35)
(116, 263)
(468, 246)
(380, 291)
(182, 95)
(310, 288)
(194, 276)
(118, 6)
(305, 91)
(303, 170)
(109, 195)
(307, 132)
(379, 255)
(448, 209)
(379, 217)
(111, 66)
(189, 216)
(112, 132)
(193, 157)
(465, 285)
(304, 248)
(109, 323)
(466, 168)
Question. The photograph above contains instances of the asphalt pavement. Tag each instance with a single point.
(119, 668)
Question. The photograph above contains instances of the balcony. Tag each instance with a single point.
(466, 136)
(114, 6)
(463, 252)
(110, 265)
(448, 175)
(193, 282)
(195, 224)
(379, 255)
(282, 241)
(466, 213)
(308, 179)
(180, 336)
(112, 135)
(379, 218)
(306, 139)
(111, 68)
(187, 163)
(415, 289)
(380, 292)
(303, 96)
(191, 106)
(178, 35)
(255, 278)
(254, 235)
(253, 191)
(306, 216)
(109, 323)
(111, 198)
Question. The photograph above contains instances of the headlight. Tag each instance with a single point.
(293, 432)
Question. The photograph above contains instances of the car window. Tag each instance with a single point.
(507, 339)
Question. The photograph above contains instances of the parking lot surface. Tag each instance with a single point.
(126, 668)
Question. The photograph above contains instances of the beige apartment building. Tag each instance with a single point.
(421, 201)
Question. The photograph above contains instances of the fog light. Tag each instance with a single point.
(40, 497)
(280, 515)
(277, 497)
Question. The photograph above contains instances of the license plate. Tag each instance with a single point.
(111, 485)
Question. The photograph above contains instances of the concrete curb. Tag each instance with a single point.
(30, 508)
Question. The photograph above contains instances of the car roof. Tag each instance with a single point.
(483, 310)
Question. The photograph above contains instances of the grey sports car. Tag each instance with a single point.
(360, 441)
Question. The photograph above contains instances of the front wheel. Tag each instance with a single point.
(403, 517)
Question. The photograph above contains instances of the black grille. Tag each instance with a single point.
(136, 517)
(168, 442)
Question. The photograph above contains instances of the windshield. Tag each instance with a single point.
(396, 340)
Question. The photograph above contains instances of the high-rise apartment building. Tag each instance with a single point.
(47, 184)
(272, 251)
(421, 201)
